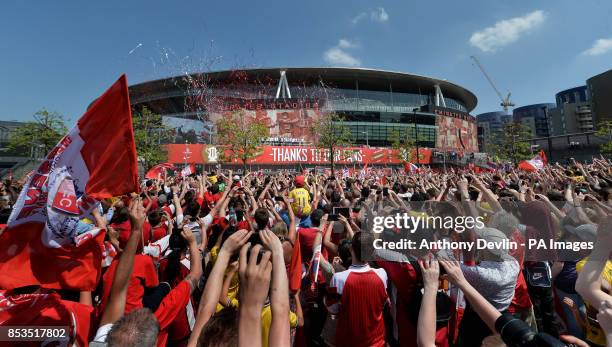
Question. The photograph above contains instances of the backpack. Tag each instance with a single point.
(444, 303)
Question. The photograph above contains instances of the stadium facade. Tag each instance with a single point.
(374, 104)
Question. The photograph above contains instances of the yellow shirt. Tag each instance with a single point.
(300, 201)
(266, 322)
(594, 332)
(232, 292)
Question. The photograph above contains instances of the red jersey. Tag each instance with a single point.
(521, 300)
(144, 275)
(159, 232)
(181, 327)
(363, 293)
(211, 199)
(170, 308)
(405, 279)
(307, 238)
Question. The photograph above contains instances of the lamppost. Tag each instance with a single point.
(416, 134)
(367, 140)
(548, 134)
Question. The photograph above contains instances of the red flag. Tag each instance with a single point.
(543, 156)
(188, 170)
(535, 164)
(45, 243)
(157, 171)
(47, 310)
(295, 269)
(410, 167)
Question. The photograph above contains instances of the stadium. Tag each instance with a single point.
(374, 104)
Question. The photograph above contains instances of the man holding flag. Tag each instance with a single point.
(95, 160)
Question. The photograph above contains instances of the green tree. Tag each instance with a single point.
(604, 130)
(330, 133)
(404, 142)
(149, 135)
(240, 136)
(38, 136)
(513, 144)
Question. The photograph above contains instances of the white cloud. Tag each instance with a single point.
(338, 55)
(359, 17)
(376, 15)
(599, 47)
(506, 31)
(379, 15)
(344, 43)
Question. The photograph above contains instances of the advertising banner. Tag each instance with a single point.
(280, 155)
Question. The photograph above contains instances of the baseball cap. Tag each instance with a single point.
(585, 232)
(492, 235)
(212, 178)
(299, 181)
(236, 178)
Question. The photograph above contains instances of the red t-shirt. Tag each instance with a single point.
(363, 296)
(180, 327)
(404, 278)
(159, 232)
(521, 300)
(307, 238)
(144, 275)
(210, 199)
(170, 308)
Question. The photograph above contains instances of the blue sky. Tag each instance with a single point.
(62, 54)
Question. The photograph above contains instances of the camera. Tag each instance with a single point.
(516, 333)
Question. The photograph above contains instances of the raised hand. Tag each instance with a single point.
(430, 270)
(453, 272)
(137, 213)
(271, 241)
(254, 277)
(188, 235)
(236, 240)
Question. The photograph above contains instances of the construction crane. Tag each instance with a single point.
(505, 102)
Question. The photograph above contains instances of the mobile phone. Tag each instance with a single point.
(278, 198)
(385, 191)
(332, 217)
(344, 211)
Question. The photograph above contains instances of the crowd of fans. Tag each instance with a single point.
(212, 260)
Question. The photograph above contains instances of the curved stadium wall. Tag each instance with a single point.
(373, 103)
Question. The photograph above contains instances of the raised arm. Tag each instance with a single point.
(327, 243)
(116, 304)
(212, 290)
(195, 263)
(426, 325)
(279, 292)
(483, 308)
(254, 288)
(588, 284)
(292, 234)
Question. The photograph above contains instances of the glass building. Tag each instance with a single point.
(490, 126)
(536, 117)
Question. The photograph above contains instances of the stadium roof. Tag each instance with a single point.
(335, 77)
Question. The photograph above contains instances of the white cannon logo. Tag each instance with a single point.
(211, 154)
